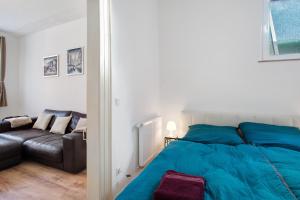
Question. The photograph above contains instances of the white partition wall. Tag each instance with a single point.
(135, 80)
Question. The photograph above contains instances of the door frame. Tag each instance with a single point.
(99, 139)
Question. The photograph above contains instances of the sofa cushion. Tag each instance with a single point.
(42, 121)
(60, 125)
(23, 135)
(75, 118)
(56, 113)
(9, 148)
(81, 125)
(48, 147)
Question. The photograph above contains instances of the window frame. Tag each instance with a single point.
(265, 50)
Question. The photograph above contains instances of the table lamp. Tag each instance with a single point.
(171, 128)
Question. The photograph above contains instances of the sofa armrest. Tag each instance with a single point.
(74, 152)
(6, 127)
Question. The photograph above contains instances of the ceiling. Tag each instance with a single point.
(21, 17)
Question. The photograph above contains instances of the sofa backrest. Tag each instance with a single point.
(60, 113)
(56, 113)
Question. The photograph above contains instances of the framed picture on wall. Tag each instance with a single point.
(51, 66)
(75, 61)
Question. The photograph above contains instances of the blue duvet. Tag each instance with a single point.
(287, 162)
(231, 172)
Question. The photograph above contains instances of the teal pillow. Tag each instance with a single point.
(209, 134)
(271, 135)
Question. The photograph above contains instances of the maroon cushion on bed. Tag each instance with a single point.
(180, 186)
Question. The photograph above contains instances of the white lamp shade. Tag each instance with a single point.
(171, 126)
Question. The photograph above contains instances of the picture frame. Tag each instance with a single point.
(51, 66)
(75, 61)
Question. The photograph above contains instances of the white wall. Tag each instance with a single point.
(63, 92)
(12, 76)
(209, 52)
(135, 78)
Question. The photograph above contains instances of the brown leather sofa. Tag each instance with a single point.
(10, 153)
(66, 152)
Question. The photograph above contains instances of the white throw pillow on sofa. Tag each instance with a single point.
(42, 121)
(81, 125)
(16, 122)
(60, 125)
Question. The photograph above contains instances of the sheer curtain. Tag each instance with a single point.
(3, 100)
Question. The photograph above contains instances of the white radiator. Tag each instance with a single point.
(150, 140)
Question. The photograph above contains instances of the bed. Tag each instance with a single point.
(256, 168)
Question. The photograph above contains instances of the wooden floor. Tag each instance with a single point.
(34, 181)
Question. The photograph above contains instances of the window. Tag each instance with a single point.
(281, 33)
